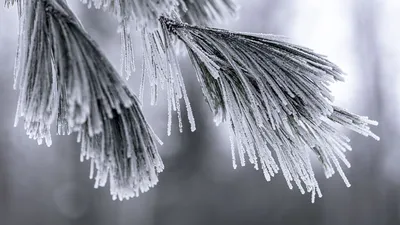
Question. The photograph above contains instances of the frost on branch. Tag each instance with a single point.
(206, 12)
(37, 101)
(64, 71)
(64, 77)
(276, 99)
(125, 153)
(145, 14)
(161, 67)
(142, 13)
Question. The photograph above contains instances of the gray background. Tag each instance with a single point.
(41, 185)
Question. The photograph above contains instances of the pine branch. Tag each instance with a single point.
(77, 72)
(64, 77)
(159, 73)
(144, 13)
(204, 13)
(275, 96)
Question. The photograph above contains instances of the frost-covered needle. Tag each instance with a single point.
(276, 99)
(63, 77)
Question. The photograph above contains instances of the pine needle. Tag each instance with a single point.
(64, 77)
(144, 13)
(161, 66)
(34, 70)
(90, 81)
(275, 97)
(125, 153)
(65, 70)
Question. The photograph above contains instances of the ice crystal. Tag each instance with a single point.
(276, 99)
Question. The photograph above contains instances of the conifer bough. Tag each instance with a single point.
(274, 95)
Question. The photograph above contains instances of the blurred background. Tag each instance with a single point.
(41, 185)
